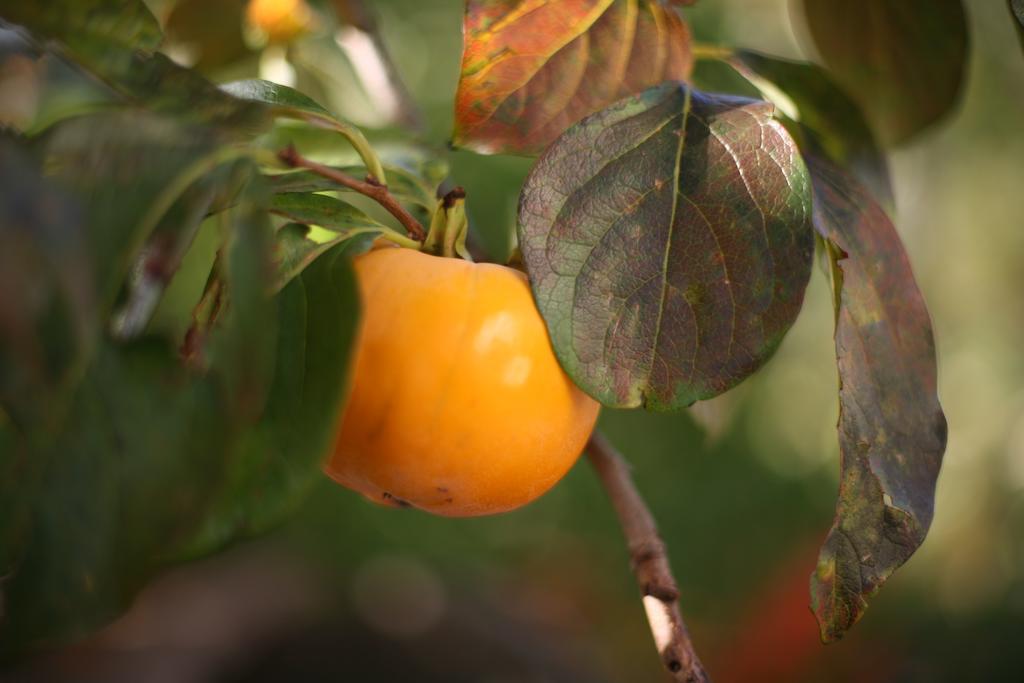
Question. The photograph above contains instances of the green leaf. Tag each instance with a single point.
(668, 240)
(114, 42)
(904, 62)
(290, 103)
(403, 185)
(530, 68)
(156, 461)
(125, 477)
(206, 186)
(87, 22)
(15, 468)
(47, 314)
(892, 432)
(157, 83)
(274, 466)
(832, 125)
(119, 165)
(64, 91)
(47, 292)
(282, 98)
(299, 245)
(241, 350)
(327, 212)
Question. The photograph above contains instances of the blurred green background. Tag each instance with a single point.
(743, 486)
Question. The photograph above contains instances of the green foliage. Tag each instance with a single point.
(290, 103)
(272, 465)
(669, 241)
(404, 185)
(50, 325)
(94, 25)
(667, 237)
(120, 454)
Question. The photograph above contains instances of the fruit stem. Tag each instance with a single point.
(649, 559)
(370, 188)
(449, 227)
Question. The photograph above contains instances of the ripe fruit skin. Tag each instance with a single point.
(458, 405)
(279, 20)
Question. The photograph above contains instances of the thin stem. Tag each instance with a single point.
(157, 265)
(355, 138)
(708, 51)
(650, 563)
(379, 193)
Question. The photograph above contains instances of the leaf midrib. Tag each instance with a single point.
(676, 191)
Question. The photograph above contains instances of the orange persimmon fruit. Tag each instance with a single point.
(279, 20)
(458, 405)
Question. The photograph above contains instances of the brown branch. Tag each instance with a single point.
(370, 188)
(650, 563)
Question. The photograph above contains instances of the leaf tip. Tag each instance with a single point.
(837, 600)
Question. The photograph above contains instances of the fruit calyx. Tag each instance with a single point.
(448, 227)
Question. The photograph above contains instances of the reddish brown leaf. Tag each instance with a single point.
(903, 61)
(892, 432)
(668, 240)
(532, 68)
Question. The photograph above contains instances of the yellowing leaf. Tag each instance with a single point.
(532, 68)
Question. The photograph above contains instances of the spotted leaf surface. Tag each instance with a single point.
(832, 125)
(532, 68)
(668, 240)
(892, 432)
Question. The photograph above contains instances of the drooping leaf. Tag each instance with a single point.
(903, 62)
(892, 432)
(275, 464)
(832, 124)
(668, 240)
(532, 68)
